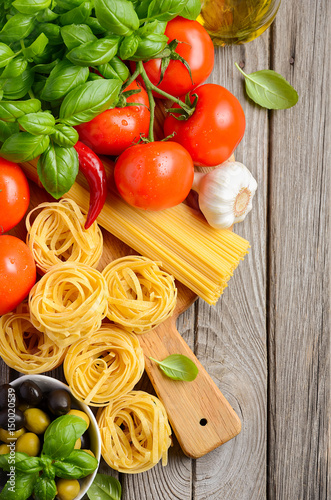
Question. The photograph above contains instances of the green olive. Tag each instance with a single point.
(81, 414)
(36, 420)
(67, 489)
(8, 436)
(78, 444)
(4, 449)
(28, 443)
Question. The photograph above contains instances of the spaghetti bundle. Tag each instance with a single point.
(24, 348)
(69, 302)
(57, 234)
(141, 296)
(104, 366)
(135, 432)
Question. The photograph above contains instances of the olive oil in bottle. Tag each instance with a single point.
(237, 21)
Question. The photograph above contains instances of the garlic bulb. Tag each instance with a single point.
(225, 193)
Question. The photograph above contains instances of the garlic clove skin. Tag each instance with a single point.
(225, 194)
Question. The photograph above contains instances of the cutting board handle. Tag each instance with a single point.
(200, 416)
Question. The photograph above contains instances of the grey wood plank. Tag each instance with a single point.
(299, 259)
(231, 337)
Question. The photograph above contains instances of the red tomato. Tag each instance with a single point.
(14, 195)
(154, 176)
(114, 130)
(17, 272)
(214, 130)
(197, 49)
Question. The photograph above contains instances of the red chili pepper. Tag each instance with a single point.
(91, 166)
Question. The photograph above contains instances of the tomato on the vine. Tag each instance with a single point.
(114, 130)
(14, 194)
(154, 176)
(215, 128)
(17, 272)
(195, 47)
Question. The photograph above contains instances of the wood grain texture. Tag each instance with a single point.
(299, 350)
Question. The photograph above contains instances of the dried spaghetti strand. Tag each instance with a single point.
(23, 347)
(141, 295)
(104, 366)
(135, 432)
(69, 302)
(57, 235)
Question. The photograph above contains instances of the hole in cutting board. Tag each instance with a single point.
(203, 422)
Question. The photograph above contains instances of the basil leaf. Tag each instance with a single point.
(15, 88)
(41, 123)
(105, 487)
(22, 487)
(37, 47)
(68, 4)
(23, 147)
(30, 465)
(45, 489)
(15, 68)
(164, 10)
(64, 136)
(51, 31)
(88, 100)
(78, 15)
(62, 79)
(48, 469)
(178, 367)
(115, 69)
(75, 35)
(117, 16)
(7, 460)
(31, 6)
(79, 464)
(45, 68)
(46, 16)
(128, 46)
(94, 53)
(148, 28)
(141, 7)
(58, 168)
(6, 54)
(149, 46)
(191, 10)
(8, 129)
(269, 89)
(17, 27)
(11, 110)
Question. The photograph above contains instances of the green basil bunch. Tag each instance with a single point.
(36, 475)
(52, 53)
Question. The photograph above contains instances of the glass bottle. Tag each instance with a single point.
(237, 21)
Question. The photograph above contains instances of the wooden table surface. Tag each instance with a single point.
(266, 343)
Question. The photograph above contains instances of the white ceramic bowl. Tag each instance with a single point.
(47, 384)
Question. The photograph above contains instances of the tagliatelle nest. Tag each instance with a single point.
(135, 432)
(104, 366)
(24, 348)
(141, 295)
(69, 302)
(57, 235)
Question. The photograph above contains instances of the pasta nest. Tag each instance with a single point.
(69, 302)
(57, 235)
(135, 432)
(24, 348)
(141, 296)
(104, 366)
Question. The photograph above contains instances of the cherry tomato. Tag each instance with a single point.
(154, 176)
(114, 130)
(14, 194)
(196, 48)
(214, 130)
(17, 272)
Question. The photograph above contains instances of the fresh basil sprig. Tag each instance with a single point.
(178, 367)
(105, 488)
(269, 89)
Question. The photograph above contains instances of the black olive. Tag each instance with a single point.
(85, 439)
(30, 393)
(8, 396)
(59, 402)
(12, 419)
